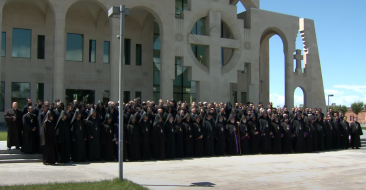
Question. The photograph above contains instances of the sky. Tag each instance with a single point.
(340, 29)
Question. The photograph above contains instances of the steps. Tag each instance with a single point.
(363, 142)
(15, 156)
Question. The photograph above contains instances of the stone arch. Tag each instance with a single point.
(264, 59)
(247, 3)
(154, 13)
(41, 4)
(304, 95)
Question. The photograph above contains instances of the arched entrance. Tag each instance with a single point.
(299, 97)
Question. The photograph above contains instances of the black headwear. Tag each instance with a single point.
(167, 118)
(92, 110)
(157, 118)
(62, 114)
(197, 117)
(231, 117)
(131, 118)
(145, 114)
(47, 117)
(77, 112)
(177, 117)
(218, 117)
(187, 115)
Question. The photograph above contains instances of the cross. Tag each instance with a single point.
(214, 43)
(298, 58)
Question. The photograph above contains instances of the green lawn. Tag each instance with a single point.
(110, 185)
(3, 135)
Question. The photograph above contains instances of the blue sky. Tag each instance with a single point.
(340, 28)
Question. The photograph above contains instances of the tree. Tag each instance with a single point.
(339, 108)
(357, 107)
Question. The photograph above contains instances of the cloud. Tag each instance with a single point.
(330, 91)
(356, 88)
(279, 100)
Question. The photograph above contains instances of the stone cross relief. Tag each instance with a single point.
(214, 43)
(298, 57)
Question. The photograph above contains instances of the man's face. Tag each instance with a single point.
(45, 109)
(64, 117)
(29, 102)
(94, 115)
(30, 109)
(209, 117)
(40, 103)
(79, 116)
(15, 105)
(58, 105)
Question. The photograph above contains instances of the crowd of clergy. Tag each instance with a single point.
(170, 130)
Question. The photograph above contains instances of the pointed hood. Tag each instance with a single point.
(62, 114)
(168, 117)
(218, 117)
(91, 112)
(178, 117)
(145, 114)
(230, 117)
(47, 117)
(77, 112)
(157, 118)
(185, 117)
(131, 118)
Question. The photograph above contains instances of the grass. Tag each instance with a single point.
(108, 184)
(3, 135)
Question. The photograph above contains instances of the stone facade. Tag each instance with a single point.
(246, 41)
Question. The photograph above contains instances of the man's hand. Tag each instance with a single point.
(116, 142)
(91, 137)
(14, 118)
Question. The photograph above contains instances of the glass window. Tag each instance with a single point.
(138, 54)
(3, 43)
(85, 96)
(156, 62)
(106, 96)
(106, 48)
(199, 27)
(21, 43)
(180, 5)
(74, 47)
(127, 51)
(40, 91)
(40, 46)
(92, 47)
(200, 53)
(20, 92)
(2, 96)
(244, 98)
(183, 89)
(138, 95)
(126, 96)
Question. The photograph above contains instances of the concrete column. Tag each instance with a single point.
(59, 56)
(114, 59)
(167, 63)
(289, 78)
(1, 29)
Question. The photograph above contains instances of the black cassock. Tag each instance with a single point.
(63, 139)
(308, 139)
(265, 141)
(346, 130)
(13, 128)
(287, 137)
(134, 141)
(277, 137)
(158, 140)
(356, 131)
(336, 137)
(198, 139)
(220, 138)
(208, 136)
(145, 127)
(78, 136)
(299, 135)
(48, 141)
(232, 144)
(254, 138)
(328, 131)
(321, 141)
(94, 139)
(30, 144)
(170, 140)
(107, 137)
(188, 138)
(244, 131)
(314, 136)
(179, 150)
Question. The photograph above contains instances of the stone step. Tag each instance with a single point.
(20, 156)
(7, 161)
(12, 151)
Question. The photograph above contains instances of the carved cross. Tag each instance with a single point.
(214, 43)
(298, 57)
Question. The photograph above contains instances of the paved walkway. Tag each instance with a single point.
(336, 169)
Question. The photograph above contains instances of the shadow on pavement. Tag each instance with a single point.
(197, 184)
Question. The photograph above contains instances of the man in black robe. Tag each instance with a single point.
(38, 108)
(345, 131)
(25, 108)
(158, 138)
(321, 132)
(198, 137)
(356, 131)
(133, 139)
(220, 135)
(179, 137)
(308, 135)
(48, 140)
(170, 137)
(287, 135)
(298, 125)
(277, 135)
(254, 134)
(78, 137)
(63, 138)
(244, 135)
(145, 128)
(93, 130)
(266, 132)
(30, 144)
(13, 119)
(208, 137)
(337, 133)
(314, 135)
(188, 136)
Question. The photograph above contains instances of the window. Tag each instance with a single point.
(199, 51)
(126, 96)
(40, 46)
(2, 96)
(106, 48)
(183, 89)
(3, 44)
(92, 45)
(138, 54)
(40, 91)
(156, 62)
(138, 95)
(19, 93)
(180, 5)
(127, 51)
(74, 47)
(85, 96)
(21, 43)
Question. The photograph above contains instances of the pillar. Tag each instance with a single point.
(59, 56)
(114, 59)
(289, 77)
(167, 63)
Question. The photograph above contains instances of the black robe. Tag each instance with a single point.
(208, 136)
(179, 138)
(134, 142)
(14, 128)
(321, 134)
(308, 139)
(328, 131)
(30, 137)
(63, 140)
(314, 136)
(244, 131)
(158, 141)
(220, 138)
(254, 138)
(188, 139)
(198, 142)
(346, 130)
(276, 137)
(336, 135)
(170, 140)
(287, 137)
(299, 126)
(78, 136)
(356, 131)
(49, 143)
(107, 137)
(232, 145)
(265, 141)
(145, 128)
(94, 144)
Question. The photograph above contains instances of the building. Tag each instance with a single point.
(361, 117)
(190, 50)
